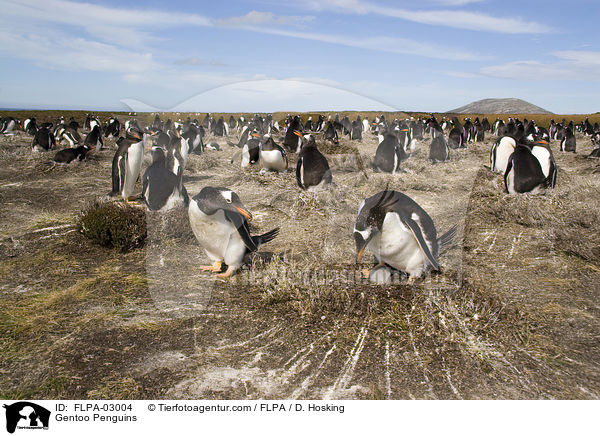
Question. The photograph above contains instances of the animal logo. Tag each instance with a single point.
(25, 414)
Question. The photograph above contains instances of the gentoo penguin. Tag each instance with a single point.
(7, 125)
(43, 140)
(127, 164)
(596, 143)
(112, 129)
(312, 168)
(500, 152)
(389, 154)
(70, 154)
(356, 131)
(331, 133)
(293, 136)
(399, 233)
(250, 150)
(272, 156)
(94, 138)
(568, 143)
(219, 221)
(456, 137)
(543, 153)
(30, 126)
(161, 189)
(68, 134)
(438, 150)
(220, 128)
(524, 173)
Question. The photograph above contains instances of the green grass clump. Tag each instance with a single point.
(114, 225)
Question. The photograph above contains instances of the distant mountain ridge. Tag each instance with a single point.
(500, 106)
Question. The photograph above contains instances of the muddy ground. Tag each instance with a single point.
(513, 315)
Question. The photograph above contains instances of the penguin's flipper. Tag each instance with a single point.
(509, 166)
(144, 188)
(298, 175)
(122, 164)
(418, 235)
(241, 224)
(446, 241)
(265, 237)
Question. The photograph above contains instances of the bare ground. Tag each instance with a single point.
(514, 313)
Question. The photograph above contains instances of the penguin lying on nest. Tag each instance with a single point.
(219, 221)
(400, 234)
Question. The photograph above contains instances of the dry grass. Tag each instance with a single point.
(510, 312)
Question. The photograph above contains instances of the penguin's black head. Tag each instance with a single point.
(159, 155)
(211, 199)
(369, 221)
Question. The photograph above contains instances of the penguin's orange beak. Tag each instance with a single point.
(247, 214)
(360, 253)
(297, 133)
(542, 141)
(255, 135)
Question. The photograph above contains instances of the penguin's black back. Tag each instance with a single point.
(527, 171)
(315, 166)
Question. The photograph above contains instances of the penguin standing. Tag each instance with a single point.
(43, 140)
(356, 131)
(219, 221)
(456, 137)
(331, 133)
(312, 169)
(94, 138)
(438, 150)
(543, 153)
(272, 156)
(568, 143)
(399, 233)
(251, 150)
(389, 154)
(293, 136)
(524, 173)
(127, 164)
(500, 153)
(161, 189)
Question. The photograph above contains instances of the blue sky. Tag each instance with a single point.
(428, 55)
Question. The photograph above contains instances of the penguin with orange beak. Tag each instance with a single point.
(219, 221)
(293, 136)
(399, 233)
(127, 163)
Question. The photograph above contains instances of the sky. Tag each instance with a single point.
(298, 55)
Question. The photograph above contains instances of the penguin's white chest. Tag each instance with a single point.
(135, 156)
(396, 246)
(543, 157)
(218, 236)
(503, 152)
(273, 160)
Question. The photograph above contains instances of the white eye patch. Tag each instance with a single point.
(227, 196)
(364, 233)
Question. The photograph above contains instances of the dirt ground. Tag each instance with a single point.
(514, 313)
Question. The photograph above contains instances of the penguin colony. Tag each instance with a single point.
(391, 226)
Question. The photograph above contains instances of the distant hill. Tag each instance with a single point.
(500, 106)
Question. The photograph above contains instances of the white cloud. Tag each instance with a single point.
(573, 65)
(380, 43)
(56, 51)
(448, 18)
(256, 18)
(116, 25)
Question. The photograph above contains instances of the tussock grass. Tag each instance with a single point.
(114, 225)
